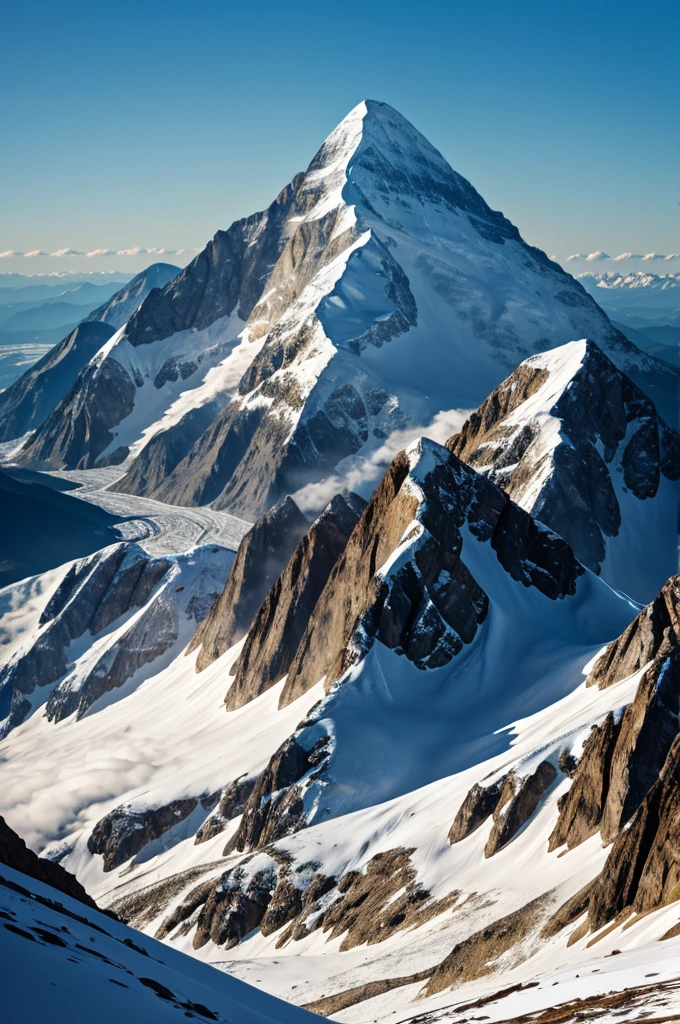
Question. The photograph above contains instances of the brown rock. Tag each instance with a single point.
(582, 807)
(656, 627)
(517, 803)
(262, 555)
(282, 618)
(478, 805)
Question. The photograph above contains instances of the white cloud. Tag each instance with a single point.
(364, 474)
(673, 256)
(575, 256)
(597, 257)
(101, 252)
(66, 252)
(8, 253)
(33, 252)
(626, 256)
(654, 256)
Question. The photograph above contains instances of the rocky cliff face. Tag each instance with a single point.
(403, 582)
(261, 556)
(428, 605)
(282, 618)
(573, 441)
(626, 783)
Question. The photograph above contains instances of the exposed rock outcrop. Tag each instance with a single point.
(262, 554)
(166, 449)
(480, 953)
(122, 833)
(344, 285)
(657, 627)
(279, 624)
(275, 807)
(477, 807)
(624, 755)
(173, 595)
(15, 854)
(642, 871)
(79, 428)
(232, 802)
(429, 606)
(518, 801)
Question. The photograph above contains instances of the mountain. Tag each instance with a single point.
(573, 441)
(128, 613)
(321, 327)
(26, 403)
(122, 305)
(43, 528)
(31, 399)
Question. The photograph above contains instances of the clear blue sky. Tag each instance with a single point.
(154, 124)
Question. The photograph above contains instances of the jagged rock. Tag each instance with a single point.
(517, 803)
(274, 808)
(657, 625)
(430, 606)
(186, 909)
(378, 902)
(166, 449)
(150, 637)
(307, 400)
(233, 910)
(227, 277)
(606, 426)
(286, 904)
(642, 870)
(93, 594)
(582, 807)
(232, 802)
(261, 556)
(122, 833)
(15, 854)
(312, 909)
(279, 624)
(477, 807)
(622, 759)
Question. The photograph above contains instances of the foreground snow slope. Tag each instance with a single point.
(65, 962)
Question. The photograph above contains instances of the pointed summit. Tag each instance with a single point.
(376, 292)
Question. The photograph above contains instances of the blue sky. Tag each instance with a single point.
(153, 124)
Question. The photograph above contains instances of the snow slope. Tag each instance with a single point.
(65, 962)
